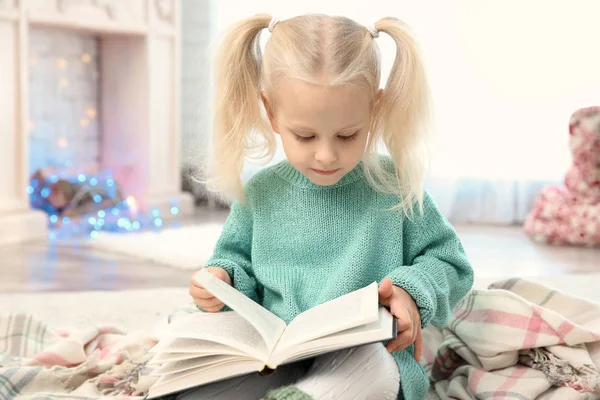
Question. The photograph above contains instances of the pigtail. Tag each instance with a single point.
(240, 128)
(401, 120)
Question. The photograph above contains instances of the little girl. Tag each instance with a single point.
(335, 216)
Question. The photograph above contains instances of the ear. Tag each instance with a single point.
(378, 96)
(377, 100)
(265, 99)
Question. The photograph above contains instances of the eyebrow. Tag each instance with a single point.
(305, 128)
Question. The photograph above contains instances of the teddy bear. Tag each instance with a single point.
(570, 214)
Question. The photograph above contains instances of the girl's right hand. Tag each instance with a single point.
(204, 299)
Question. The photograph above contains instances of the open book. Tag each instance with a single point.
(201, 348)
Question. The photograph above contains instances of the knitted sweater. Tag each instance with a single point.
(295, 245)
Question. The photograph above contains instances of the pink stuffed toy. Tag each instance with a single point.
(570, 214)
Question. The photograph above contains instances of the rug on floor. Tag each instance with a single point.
(187, 247)
(141, 308)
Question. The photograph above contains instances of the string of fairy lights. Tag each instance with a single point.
(123, 215)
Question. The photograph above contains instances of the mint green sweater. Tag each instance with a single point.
(294, 245)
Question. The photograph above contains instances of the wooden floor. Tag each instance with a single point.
(42, 266)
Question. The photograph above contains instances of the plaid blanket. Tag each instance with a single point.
(37, 362)
(518, 340)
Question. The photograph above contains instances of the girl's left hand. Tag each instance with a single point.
(403, 307)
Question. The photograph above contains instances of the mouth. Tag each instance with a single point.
(325, 172)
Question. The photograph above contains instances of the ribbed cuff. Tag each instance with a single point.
(225, 308)
(287, 393)
(412, 280)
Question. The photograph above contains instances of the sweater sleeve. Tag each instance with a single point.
(436, 271)
(233, 250)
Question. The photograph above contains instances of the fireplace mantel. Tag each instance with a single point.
(139, 98)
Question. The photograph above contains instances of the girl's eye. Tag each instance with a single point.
(303, 138)
(350, 137)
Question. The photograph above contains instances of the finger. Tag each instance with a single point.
(204, 294)
(414, 331)
(194, 282)
(418, 344)
(208, 303)
(405, 333)
(398, 345)
(403, 320)
(401, 341)
(214, 304)
(403, 324)
(200, 293)
(385, 291)
(217, 272)
(401, 346)
(214, 308)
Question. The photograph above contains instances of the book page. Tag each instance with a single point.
(163, 358)
(187, 379)
(227, 328)
(194, 363)
(189, 345)
(351, 310)
(382, 329)
(266, 323)
(171, 349)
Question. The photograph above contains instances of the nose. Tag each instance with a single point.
(326, 154)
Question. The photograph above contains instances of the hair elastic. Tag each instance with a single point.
(373, 31)
(274, 21)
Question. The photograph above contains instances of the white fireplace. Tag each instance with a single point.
(139, 100)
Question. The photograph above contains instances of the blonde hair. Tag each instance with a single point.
(342, 51)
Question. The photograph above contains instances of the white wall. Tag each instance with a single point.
(197, 36)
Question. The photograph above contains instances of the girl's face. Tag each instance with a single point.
(323, 129)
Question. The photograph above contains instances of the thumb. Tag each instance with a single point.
(419, 344)
(220, 273)
(385, 289)
(217, 272)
